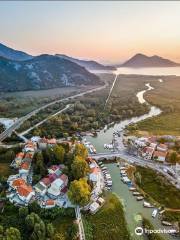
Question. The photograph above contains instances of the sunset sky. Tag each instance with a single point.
(106, 31)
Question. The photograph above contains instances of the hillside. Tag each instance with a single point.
(12, 54)
(88, 64)
(141, 60)
(43, 72)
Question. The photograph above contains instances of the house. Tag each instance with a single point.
(18, 160)
(147, 153)
(162, 147)
(25, 192)
(30, 147)
(40, 188)
(94, 175)
(50, 203)
(44, 142)
(25, 167)
(55, 169)
(64, 178)
(55, 189)
(94, 207)
(159, 155)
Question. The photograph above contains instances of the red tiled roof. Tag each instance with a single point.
(50, 202)
(64, 190)
(46, 181)
(20, 155)
(24, 190)
(63, 177)
(18, 182)
(51, 141)
(159, 154)
(148, 150)
(164, 146)
(25, 165)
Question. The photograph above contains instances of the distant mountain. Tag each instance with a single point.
(12, 54)
(88, 64)
(141, 60)
(43, 72)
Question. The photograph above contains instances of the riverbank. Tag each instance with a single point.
(108, 223)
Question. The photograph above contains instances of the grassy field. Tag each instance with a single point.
(16, 104)
(157, 187)
(108, 222)
(166, 95)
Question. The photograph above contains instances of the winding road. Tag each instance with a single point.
(21, 120)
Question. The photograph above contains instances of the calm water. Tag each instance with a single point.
(133, 208)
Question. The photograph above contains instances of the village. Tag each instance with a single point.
(51, 190)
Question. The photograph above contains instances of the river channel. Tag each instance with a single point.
(133, 208)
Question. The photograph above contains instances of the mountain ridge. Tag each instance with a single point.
(142, 60)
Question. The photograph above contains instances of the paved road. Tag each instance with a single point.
(21, 120)
(138, 161)
(43, 121)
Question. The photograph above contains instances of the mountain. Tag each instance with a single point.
(141, 60)
(88, 64)
(43, 72)
(12, 54)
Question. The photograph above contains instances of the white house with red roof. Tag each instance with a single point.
(160, 155)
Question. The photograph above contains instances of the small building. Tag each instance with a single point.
(55, 189)
(162, 147)
(159, 155)
(94, 207)
(101, 201)
(40, 188)
(147, 153)
(50, 203)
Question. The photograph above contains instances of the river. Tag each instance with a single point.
(133, 208)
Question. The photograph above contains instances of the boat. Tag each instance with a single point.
(136, 194)
(165, 223)
(146, 204)
(154, 213)
(132, 189)
(139, 198)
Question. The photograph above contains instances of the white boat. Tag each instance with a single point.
(136, 194)
(139, 198)
(132, 189)
(165, 223)
(146, 204)
(154, 213)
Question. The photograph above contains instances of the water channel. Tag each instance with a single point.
(133, 208)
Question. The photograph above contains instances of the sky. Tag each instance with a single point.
(109, 32)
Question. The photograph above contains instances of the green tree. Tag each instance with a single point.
(50, 230)
(80, 150)
(23, 212)
(13, 234)
(59, 236)
(79, 192)
(73, 231)
(79, 167)
(58, 153)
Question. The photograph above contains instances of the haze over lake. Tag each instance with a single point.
(150, 71)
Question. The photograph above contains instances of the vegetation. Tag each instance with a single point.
(108, 223)
(158, 187)
(33, 223)
(79, 192)
(150, 236)
(166, 96)
(171, 216)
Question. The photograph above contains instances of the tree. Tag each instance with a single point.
(50, 230)
(23, 212)
(13, 234)
(59, 236)
(79, 192)
(73, 231)
(80, 150)
(59, 153)
(39, 167)
(79, 167)
(173, 157)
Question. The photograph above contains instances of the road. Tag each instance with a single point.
(138, 161)
(43, 121)
(21, 120)
(80, 223)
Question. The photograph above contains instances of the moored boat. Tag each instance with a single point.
(165, 223)
(148, 205)
(132, 189)
(136, 194)
(139, 198)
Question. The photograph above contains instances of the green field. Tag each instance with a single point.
(157, 187)
(108, 223)
(166, 96)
